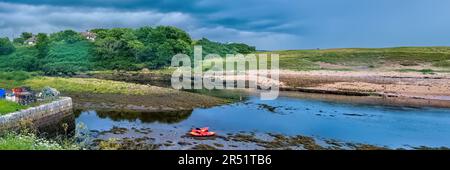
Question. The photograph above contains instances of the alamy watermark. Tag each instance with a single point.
(259, 72)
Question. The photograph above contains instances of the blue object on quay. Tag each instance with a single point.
(2, 93)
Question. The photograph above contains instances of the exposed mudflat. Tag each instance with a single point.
(392, 84)
(387, 84)
(300, 121)
(177, 139)
(144, 103)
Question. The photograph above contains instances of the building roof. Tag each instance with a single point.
(33, 39)
(88, 34)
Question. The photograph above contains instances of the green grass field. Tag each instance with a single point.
(367, 57)
(89, 85)
(371, 58)
(9, 80)
(9, 107)
(29, 141)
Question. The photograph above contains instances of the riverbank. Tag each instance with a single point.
(412, 85)
(30, 141)
(404, 87)
(289, 122)
(97, 94)
(176, 139)
(120, 138)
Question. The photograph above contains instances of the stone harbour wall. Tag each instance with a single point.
(45, 115)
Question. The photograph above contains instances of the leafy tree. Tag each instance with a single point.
(100, 32)
(162, 43)
(144, 34)
(23, 37)
(211, 47)
(146, 46)
(116, 47)
(68, 36)
(242, 48)
(6, 47)
(26, 35)
(65, 58)
(66, 52)
(19, 40)
(42, 45)
(23, 59)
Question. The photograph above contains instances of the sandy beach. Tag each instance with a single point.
(390, 84)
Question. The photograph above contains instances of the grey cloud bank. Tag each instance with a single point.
(269, 25)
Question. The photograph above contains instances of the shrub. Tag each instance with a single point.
(29, 141)
(6, 46)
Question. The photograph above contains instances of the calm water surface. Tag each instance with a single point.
(379, 125)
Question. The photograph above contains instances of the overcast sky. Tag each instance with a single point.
(267, 24)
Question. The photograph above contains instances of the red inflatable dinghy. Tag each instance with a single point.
(201, 132)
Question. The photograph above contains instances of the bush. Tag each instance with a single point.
(29, 141)
(67, 52)
(23, 59)
(15, 75)
(68, 36)
(6, 46)
(211, 47)
(242, 48)
(67, 58)
(442, 64)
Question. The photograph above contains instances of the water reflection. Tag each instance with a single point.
(144, 117)
(361, 122)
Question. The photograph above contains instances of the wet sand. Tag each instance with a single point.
(402, 88)
(177, 139)
(143, 103)
(412, 85)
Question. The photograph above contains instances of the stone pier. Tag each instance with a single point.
(53, 117)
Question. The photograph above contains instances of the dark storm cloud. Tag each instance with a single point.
(212, 12)
(44, 18)
(268, 24)
(215, 19)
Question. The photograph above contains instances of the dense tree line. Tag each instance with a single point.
(6, 47)
(67, 52)
(211, 47)
(124, 48)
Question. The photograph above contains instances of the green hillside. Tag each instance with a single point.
(23, 59)
(438, 57)
(68, 58)
(67, 52)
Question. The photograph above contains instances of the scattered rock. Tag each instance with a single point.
(203, 147)
(218, 145)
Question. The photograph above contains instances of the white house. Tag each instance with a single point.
(89, 35)
(30, 41)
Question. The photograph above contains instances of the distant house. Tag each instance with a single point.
(30, 41)
(89, 35)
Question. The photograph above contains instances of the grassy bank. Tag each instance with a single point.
(109, 94)
(8, 107)
(347, 59)
(90, 93)
(30, 141)
(97, 86)
(9, 80)
(365, 57)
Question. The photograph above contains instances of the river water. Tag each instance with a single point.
(375, 124)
